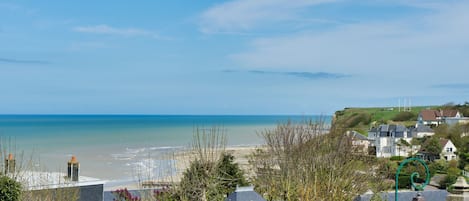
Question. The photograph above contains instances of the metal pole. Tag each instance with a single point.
(414, 174)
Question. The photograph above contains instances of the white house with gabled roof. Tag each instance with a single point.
(448, 151)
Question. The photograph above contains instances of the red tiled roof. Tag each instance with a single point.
(429, 115)
(448, 113)
(432, 115)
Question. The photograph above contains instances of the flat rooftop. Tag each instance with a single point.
(34, 180)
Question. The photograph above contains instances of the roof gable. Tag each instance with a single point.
(359, 136)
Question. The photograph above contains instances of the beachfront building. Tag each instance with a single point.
(56, 185)
(437, 117)
(391, 140)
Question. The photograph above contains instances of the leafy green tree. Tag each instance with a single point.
(438, 166)
(463, 161)
(450, 178)
(212, 173)
(196, 181)
(442, 131)
(433, 146)
(10, 190)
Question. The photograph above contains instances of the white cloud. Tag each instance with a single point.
(242, 15)
(412, 46)
(106, 29)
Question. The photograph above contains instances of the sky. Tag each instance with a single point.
(230, 57)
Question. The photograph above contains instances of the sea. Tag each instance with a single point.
(113, 147)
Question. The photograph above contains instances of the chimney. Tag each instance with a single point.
(73, 167)
(10, 164)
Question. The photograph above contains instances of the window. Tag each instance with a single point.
(449, 149)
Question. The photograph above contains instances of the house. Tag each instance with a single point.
(391, 140)
(421, 130)
(245, 194)
(437, 117)
(360, 142)
(448, 151)
(56, 184)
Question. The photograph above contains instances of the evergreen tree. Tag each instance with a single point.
(9, 189)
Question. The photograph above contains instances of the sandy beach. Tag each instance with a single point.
(182, 161)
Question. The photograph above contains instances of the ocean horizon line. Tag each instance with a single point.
(136, 114)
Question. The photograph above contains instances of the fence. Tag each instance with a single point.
(465, 173)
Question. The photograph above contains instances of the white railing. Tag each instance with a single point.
(465, 173)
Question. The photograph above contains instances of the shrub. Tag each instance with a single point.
(397, 158)
(404, 181)
(358, 118)
(439, 166)
(124, 195)
(164, 194)
(9, 189)
(450, 178)
(404, 116)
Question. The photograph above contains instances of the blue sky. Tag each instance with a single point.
(230, 57)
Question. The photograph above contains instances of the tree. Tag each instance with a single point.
(450, 178)
(442, 131)
(196, 181)
(463, 160)
(432, 146)
(230, 174)
(212, 173)
(9, 189)
(301, 162)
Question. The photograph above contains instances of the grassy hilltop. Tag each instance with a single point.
(361, 119)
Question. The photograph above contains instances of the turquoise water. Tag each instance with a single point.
(109, 146)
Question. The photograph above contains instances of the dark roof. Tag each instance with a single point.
(385, 130)
(357, 135)
(420, 129)
(423, 128)
(245, 194)
(431, 195)
(374, 129)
